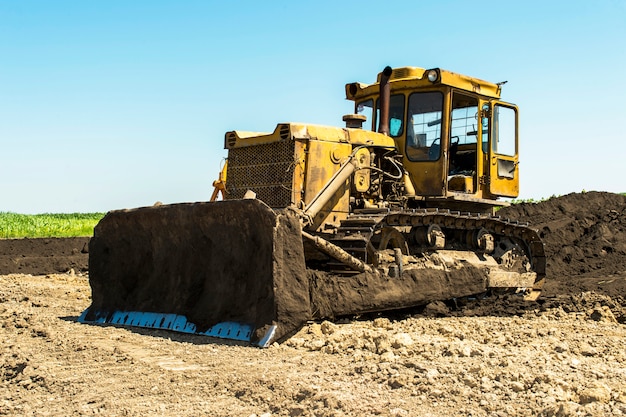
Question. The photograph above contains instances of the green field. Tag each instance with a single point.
(13, 225)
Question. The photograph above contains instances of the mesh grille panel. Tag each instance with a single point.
(265, 169)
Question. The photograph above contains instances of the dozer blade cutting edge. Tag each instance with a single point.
(174, 322)
(230, 269)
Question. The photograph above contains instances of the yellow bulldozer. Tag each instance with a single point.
(394, 210)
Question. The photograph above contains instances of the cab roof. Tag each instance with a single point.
(416, 78)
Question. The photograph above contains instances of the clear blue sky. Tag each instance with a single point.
(115, 104)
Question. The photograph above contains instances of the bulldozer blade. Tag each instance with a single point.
(232, 269)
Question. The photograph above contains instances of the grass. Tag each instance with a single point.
(13, 225)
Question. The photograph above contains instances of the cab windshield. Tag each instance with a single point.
(423, 138)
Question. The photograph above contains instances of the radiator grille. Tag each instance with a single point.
(265, 169)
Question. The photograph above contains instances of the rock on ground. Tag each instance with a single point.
(545, 361)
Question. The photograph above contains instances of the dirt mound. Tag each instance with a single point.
(585, 240)
(43, 256)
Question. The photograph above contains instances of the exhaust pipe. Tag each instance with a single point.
(385, 97)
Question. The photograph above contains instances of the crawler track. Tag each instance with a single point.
(357, 234)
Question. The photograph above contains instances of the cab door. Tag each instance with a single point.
(504, 150)
(426, 145)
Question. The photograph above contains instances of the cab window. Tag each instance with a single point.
(464, 120)
(423, 139)
(366, 108)
(396, 114)
(464, 125)
(504, 130)
(485, 127)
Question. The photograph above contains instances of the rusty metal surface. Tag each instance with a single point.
(454, 220)
(385, 98)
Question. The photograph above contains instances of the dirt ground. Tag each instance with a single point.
(43, 256)
(560, 356)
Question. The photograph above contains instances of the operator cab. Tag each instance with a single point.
(458, 140)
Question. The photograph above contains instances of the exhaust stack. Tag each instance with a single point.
(385, 97)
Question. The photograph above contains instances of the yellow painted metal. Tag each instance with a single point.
(287, 131)
(461, 183)
(403, 73)
(323, 160)
(414, 78)
(430, 178)
(472, 84)
(482, 158)
(319, 150)
(504, 169)
(362, 176)
(299, 174)
(318, 154)
(219, 185)
(237, 139)
(337, 134)
(367, 137)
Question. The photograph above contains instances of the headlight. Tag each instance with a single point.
(433, 75)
